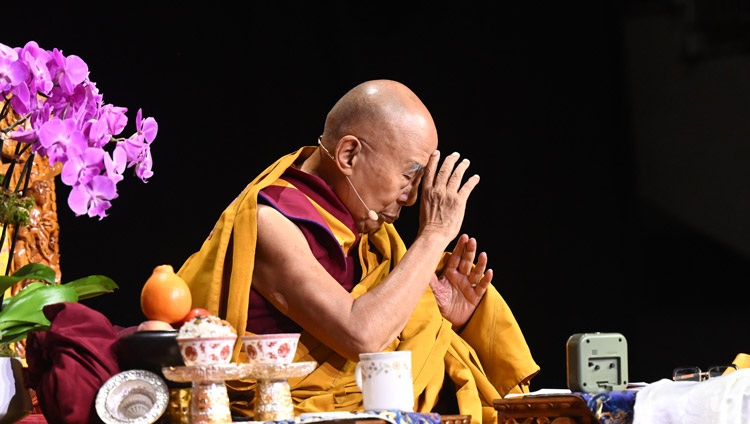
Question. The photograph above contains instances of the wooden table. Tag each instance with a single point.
(544, 409)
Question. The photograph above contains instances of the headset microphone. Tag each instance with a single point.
(370, 213)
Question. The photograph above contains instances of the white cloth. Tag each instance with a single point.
(7, 384)
(721, 400)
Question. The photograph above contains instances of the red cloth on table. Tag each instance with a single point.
(70, 362)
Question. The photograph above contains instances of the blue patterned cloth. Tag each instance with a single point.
(611, 407)
(392, 416)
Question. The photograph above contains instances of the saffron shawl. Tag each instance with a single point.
(489, 359)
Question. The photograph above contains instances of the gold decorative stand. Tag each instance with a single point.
(273, 399)
(209, 403)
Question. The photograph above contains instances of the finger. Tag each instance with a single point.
(468, 186)
(484, 282)
(467, 258)
(428, 179)
(478, 270)
(446, 170)
(455, 258)
(481, 262)
(458, 175)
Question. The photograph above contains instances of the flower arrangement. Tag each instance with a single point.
(62, 116)
(53, 110)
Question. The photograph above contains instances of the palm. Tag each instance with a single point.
(456, 305)
(460, 287)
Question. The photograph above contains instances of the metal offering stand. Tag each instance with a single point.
(209, 403)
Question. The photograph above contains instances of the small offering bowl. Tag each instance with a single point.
(271, 348)
(212, 350)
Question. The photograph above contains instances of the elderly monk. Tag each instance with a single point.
(309, 246)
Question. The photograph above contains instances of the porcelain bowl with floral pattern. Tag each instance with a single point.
(207, 350)
(271, 348)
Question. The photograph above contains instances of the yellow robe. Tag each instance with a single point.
(489, 359)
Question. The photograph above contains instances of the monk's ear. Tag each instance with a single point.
(346, 153)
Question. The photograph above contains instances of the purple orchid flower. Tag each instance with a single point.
(63, 117)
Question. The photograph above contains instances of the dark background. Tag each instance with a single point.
(612, 142)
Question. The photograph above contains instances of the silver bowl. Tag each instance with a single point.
(132, 397)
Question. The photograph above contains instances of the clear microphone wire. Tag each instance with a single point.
(370, 213)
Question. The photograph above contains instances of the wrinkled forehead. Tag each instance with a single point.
(409, 150)
(418, 139)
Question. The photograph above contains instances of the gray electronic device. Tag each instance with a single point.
(597, 362)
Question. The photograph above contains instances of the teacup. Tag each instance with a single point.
(213, 350)
(385, 380)
(271, 348)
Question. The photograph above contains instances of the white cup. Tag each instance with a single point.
(385, 380)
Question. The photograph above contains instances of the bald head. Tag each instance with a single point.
(377, 141)
(386, 110)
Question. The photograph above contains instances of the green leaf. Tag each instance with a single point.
(12, 327)
(36, 271)
(19, 332)
(6, 282)
(24, 292)
(32, 271)
(29, 308)
(93, 285)
(23, 313)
